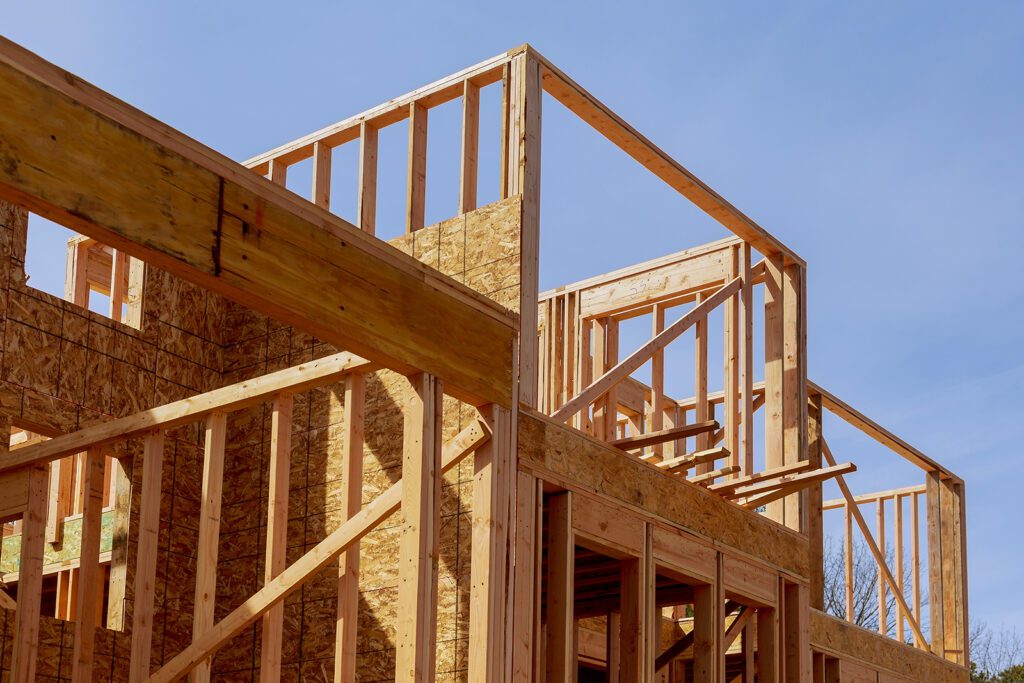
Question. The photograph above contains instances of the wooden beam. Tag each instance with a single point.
(634, 622)
(526, 642)
(642, 440)
(117, 583)
(146, 555)
(797, 482)
(347, 626)
(636, 359)
(30, 579)
(774, 445)
(226, 399)
(768, 645)
(235, 233)
(277, 532)
(681, 463)
(732, 411)
(797, 637)
(208, 542)
(656, 415)
(714, 474)
(416, 625)
(737, 626)
(90, 590)
(605, 121)
(835, 503)
(727, 487)
(366, 198)
(561, 626)
(815, 525)
(310, 564)
(794, 387)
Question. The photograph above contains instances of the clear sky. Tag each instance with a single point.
(881, 141)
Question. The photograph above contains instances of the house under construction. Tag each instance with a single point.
(295, 451)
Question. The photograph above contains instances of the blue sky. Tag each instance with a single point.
(881, 141)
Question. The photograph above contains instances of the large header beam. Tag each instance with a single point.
(77, 155)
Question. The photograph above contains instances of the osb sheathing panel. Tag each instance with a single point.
(480, 249)
(63, 368)
(563, 455)
(888, 658)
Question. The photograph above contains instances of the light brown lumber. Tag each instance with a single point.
(493, 470)
(470, 146)
(6, 601)
(118, 283)
(848, 560)
(146, 554)
(768, 638)
(636, 359)
(110, 181)
(642, 440)
(857, 419)
(347, 624)
(797, 472)
(915, 533)
(798, 482)
(416, 624)
(208, 542)
(737, 626)
(883, 615)
(633, 624)
(226, 399)
(656, 415)
(774, 331)
(366, 198)
(277, 532)
(863, 498)
(795, 599)
(714, 474)
(879, 558)
(392, 111)
(794, 388)
(684, 643)
(898, 522)
(732, 410)
(700, 374)
(90, 589)
(310, 564)
(627, 138)
(727, 487)
(684, 462)
(560, 652)
(416, 190)
(277, 172)
(747, 400)
(321, 190)
(526, 640)
(30, 579)
(117, 582)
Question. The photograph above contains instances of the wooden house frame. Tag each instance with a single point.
(330, 456)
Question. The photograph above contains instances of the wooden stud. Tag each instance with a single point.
(322, 175)
(117, 582)
(278, 172)
(731, 413)
(746, 360)
(915, 562)
(118, 283)
(415, 204)
(493, 466)
(794, 388)
(774, 453)
(208, 542)
(470, 146)
(797, 637)
(656, 417)
(146, 555)
(767, 645)
(898, 522)
(347, 626)
(848, 555)
(560, 651)
(529, 543)
(634, 621)
(883, 615)
(90, 572)
(700, 374)
(30, 579)
(366, 198)
(815, 527)
(277, 531)
(416, 626)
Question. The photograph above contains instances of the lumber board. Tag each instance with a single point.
(75, 154)
(663, 435)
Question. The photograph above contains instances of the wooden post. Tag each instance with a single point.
(748, 650)
(416, 196)
(117, 583)
(470, 146)
(321, 175)
(774, 352)
(731, 371)
(848, 556)
(145, 564)
(794, 389)
(529, 544)
(797, 633)
(366, 198)
(915, 533)
(613, 657)
(89, 590)
(700, 374)
(277, 172)
(208, 542)
(747, 361)
(30, 579)
(638, 622)
(815, 529)
(416, 626)
(521, 131)
(656, 417)
(947, 568)
(898, 521)
(493, 467)
(347, 628)
(883, 615)
(561, 626)
(118, 283)
(767, 645)
(707, 630)
(277, 532)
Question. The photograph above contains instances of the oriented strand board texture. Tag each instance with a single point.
(866, 650)
(480, 249)
(63, 368)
